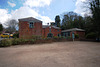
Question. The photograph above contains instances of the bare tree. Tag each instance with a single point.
(11, 25)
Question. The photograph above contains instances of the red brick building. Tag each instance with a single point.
(30, 26)
(69, 32)
(50, 31)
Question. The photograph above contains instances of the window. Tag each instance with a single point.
(68, 33)
(31, 25)
(58, 35)
(50, 35)
(63, 34)
(50, 30)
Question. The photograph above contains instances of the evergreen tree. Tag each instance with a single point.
(57, 21)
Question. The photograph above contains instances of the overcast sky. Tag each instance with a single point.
(44, 10)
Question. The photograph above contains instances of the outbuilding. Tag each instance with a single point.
(79, 32)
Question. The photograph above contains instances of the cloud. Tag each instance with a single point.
(37, 3)
(11, 4)
(4, 16)
(46, 20)
(27, 11)
(82, 7)
(24, 12)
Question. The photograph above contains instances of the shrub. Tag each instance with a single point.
(16, 35)
(31, 41)
(6, 43)
(69, 37)
(36, 37)
(76, 35)
(16, 41)
(0, 32)
(55, 37)
(91, 35)
(23, 41)
(63, 37)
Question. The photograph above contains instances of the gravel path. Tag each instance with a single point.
(58, 54)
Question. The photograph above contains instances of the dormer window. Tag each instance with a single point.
(31, 25)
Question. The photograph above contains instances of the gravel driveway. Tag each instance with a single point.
(58, 54)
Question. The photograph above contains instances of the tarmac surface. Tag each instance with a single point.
(57, 54)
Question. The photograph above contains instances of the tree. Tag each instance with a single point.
(1, 27)
(95, 9)
(57, 21)
(11, 25)
(52, 24)
(88, 24)
(72, 20)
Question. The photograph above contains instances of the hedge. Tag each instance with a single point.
(91, 35)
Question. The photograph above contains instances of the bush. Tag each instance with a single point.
(36, 37)
(6, 43)
(16, 35)
(69, 37)
(31, 41)
(23, 41)
(91, 35)
(16, 41)
(0, 32)
(76, 35)
(63, 37)
(55, 37)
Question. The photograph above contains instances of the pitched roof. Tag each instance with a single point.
(73, 29)
(30, 19)
(55, 27)
(45, 26)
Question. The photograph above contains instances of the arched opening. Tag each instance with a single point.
(58, 35)
(50, 35)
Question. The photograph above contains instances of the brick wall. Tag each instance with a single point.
(54, 31)
(25, 31)
(80, 33)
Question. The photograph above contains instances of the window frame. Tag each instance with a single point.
(50, 30)
(58, 30)
(58, 35)
(31, 24)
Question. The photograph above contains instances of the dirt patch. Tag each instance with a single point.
(57, 54)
